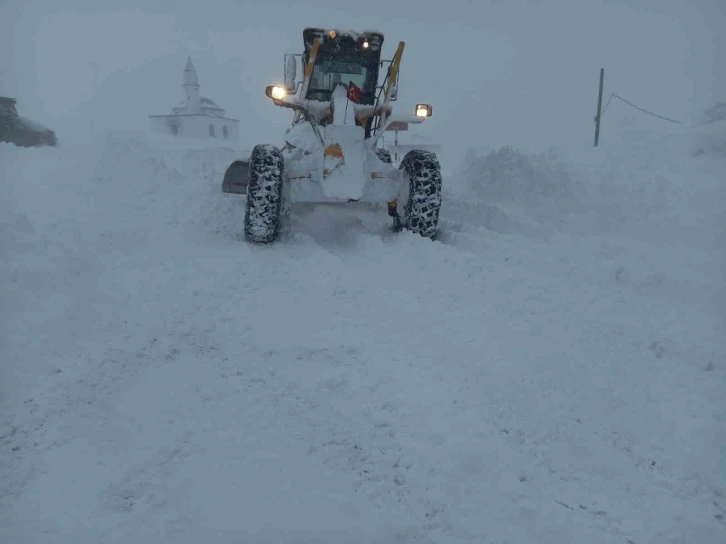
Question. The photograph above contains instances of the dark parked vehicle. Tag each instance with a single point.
(20, 131)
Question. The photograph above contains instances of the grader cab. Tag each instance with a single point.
(340, 112)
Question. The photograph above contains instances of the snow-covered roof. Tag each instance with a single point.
(209, 102)
(206, 103)
(355, 34)
(208, 107)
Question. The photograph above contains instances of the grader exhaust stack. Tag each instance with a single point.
(330, 152)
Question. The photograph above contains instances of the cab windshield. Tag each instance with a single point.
(343, 59)
(327, 75)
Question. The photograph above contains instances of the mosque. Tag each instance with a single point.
(196, 116)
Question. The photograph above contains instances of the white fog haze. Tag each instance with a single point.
(515, 72)
(506, 335)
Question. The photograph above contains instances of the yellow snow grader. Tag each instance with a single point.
(331, 152)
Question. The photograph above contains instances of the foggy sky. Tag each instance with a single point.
(497, 72)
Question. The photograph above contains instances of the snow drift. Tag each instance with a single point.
(551, 370)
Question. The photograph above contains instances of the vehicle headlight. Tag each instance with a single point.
(423, 110)
(275, 92)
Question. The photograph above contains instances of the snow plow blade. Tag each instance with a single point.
(236, 178)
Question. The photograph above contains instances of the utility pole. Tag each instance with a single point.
(599, 107)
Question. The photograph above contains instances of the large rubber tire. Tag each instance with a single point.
(421, 213)
(384, 155)
(264, 195)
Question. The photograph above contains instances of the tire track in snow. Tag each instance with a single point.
(320, 420)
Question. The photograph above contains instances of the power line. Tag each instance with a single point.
(615, 95)
(606, 105)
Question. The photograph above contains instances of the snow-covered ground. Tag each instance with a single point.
(551, 370)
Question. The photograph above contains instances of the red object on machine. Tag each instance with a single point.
(354, 92)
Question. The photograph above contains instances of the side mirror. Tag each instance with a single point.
(290, 72)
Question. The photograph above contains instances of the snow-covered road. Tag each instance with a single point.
(552, 369)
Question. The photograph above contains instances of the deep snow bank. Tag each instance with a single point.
(652, 189)
(525, 188)
(667, 193)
